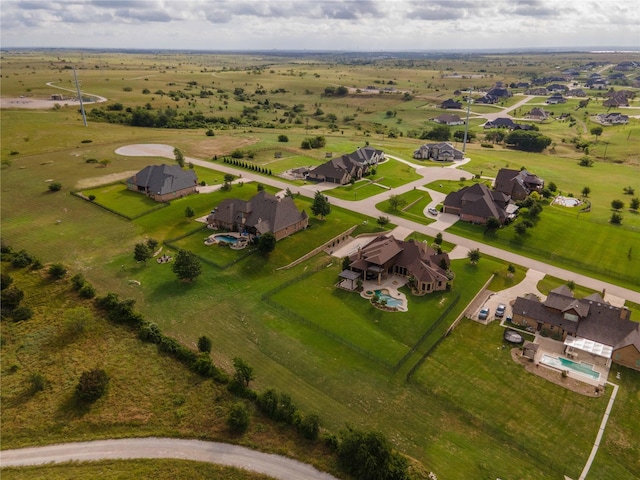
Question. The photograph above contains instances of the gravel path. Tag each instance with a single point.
(275, 466)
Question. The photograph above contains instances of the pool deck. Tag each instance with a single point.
(392, 283)
(555, 348)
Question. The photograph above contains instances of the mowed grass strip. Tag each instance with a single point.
(159, 469)
(118, 198)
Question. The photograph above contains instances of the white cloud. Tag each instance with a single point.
(320, 24)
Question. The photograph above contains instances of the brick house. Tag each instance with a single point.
(261, 214)
(163, 182)
(586, 324)
(476, 204)
(518, 184)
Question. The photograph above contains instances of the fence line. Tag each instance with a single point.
(426, 334)
(266, 297)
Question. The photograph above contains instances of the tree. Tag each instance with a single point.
(105, 162)
(57, 271)
(260, 187)
(586, 191)
(629, 190)
(520, 229)
(289, 193)
(179, 157)
(596, 131)
(152, 243)
(92, 385)
(617, 204)
(10, 299)
(267, 243)
(439, 133)
(511, 270)
(243, 373)
(585, 162)
(616, 218)
(229, 177)
(527, 141)
(492, 224)
(309, 426)
(370, 456)
(635, 204)
(552, 186)
(204, 344)
(382, 220)
(474, 256)
(396, 202)
(55, 187)
(187, 266)
(321, 206)
(238, 418)
(142, 252)
(438, 239)
(283, 138)
(188, 212)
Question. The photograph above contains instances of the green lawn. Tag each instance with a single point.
(415, 203)
(118, 198)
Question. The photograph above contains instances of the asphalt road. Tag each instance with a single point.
(367, 207)
(275, 466)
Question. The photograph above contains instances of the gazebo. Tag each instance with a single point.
(349, 279)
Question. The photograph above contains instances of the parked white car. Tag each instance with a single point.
(432, 211)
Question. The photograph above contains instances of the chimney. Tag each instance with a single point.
(625, 313)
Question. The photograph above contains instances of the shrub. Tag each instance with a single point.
(210, 133)
(5, 281)
(38, 382)
(57, 271)
(55, 186)
(91, 160)
(150, 332)
(283, 138)
(86, 141)
(238, 418)
(309, 426)
(92, 385)
(87, 291)
(21, 259)
(10, 298)
(91, 198)
(21, 313)
(77, 281)
(204, 344)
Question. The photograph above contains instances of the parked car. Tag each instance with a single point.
(484, 314)
(432, 211)
(500, 310)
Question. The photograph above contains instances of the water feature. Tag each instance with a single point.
(383, 295)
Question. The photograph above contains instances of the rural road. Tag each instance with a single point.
(367, 207)
(275, 466)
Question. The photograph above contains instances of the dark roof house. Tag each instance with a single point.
(517, 183)
(587, 324)
(500, 122)
(163, 182)
(261, 214)
(476, 204)
(385, 256)
(450, 103)
(343, 169)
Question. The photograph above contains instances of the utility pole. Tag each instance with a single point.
(75, 78)
(466, 127)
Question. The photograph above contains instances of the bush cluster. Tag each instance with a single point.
(122, 311)
(249, 166)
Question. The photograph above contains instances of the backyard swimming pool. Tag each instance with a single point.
(567, 201)
(390, 301)
(225, 238)
(566, 364)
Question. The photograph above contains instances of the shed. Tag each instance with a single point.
(529, 350)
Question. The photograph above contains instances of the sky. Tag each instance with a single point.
(343, 25)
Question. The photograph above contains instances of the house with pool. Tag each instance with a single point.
(261, 214)
(423, 268)
(592, 331)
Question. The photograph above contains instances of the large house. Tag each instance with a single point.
(163, 182)
(476, 204)
(586, 324)
(440, 152)
(343, 169)
(449, 119)
(261, 214)
(385, 256)
(538, 113)
(451, 103)
(614, 118)
(555, 99)
(518, 184)
(500, 122)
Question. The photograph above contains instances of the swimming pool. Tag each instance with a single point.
(390, 301)
(567, 201)
(566, 364)
(225, 238)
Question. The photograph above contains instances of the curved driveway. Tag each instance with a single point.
(367, 207)
(275, 466)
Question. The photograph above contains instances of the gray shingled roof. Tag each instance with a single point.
(163, 179)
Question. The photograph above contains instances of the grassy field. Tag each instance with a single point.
(468, 409)
(115, 469)
(415, 201)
